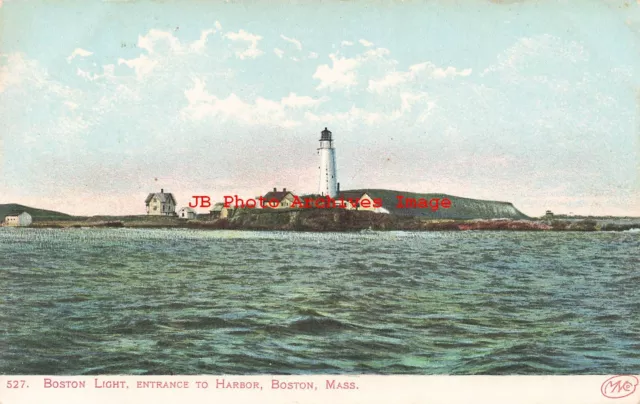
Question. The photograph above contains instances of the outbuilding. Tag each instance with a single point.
(355, 200)
(219, 211)
(186, 213)
(17, 219)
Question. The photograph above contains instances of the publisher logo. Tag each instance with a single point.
(619, 386)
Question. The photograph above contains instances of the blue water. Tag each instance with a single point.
(126, 301)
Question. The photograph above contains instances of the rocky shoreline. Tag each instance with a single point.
(336, 220)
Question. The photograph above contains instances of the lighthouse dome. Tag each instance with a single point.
(325, 134)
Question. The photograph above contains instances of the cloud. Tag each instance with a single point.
(407, 102)
(160, 46)
(164, 52)
(158, 41)
(143, 65)
(391, 80)
(377, 53)
(356, 116)
(365, 43)
(200, 43)
(278, 52)
(78, 52)
(71, 105)
(86, 75)
(295, 101)
(438, 72)
(294, 41)
(22, 74)
(261, 111)
(349, 119)
(21, 79)
(312, 55)
(426, 69)
(107, 72)
(537, 51)
(340, 75)
(346, 43)
(155, 37)
(12, 71)
(250, 53)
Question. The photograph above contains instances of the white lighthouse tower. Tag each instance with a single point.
(328, 175)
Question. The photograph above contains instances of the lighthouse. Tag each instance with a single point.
(328, 185)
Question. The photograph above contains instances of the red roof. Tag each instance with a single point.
(350, 194)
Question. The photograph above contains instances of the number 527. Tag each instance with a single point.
(15, 384)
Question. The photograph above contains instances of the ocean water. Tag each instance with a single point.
(125, 301)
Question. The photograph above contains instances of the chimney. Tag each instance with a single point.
(162, 191)
(284, 189)
(275, 189)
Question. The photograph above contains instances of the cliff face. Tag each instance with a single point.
(349, 220)
(310, 220)
(461, 208)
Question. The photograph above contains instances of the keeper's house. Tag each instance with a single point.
(17, 219)
(278, 199)
(161, 204)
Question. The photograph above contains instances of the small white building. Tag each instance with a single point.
(186, 213)
(17, 219)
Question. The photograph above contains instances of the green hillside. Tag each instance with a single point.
(461, 208)
(36, 214)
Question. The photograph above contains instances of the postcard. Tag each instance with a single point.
(306, 202)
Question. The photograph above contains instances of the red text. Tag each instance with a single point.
(109, 384)
(224, 384)
(204, 201)
(276, 384)
(162, 385)
(434, 203)
(337, 385)
(63, 384)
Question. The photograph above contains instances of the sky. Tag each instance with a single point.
(532, 102)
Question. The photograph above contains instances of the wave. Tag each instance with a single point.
(316, 325)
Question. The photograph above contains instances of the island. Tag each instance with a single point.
(464, 214)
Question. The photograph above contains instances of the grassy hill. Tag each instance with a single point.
(36, 214)
(461, 208)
